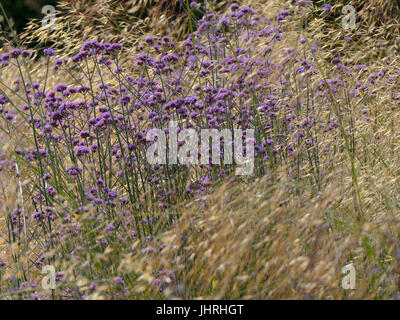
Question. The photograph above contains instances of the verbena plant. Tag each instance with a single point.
(96, 203)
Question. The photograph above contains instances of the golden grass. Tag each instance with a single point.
(277, 237)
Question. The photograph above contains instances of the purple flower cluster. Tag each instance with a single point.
(100, 123)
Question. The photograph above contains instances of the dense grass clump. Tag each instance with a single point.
(79, 193)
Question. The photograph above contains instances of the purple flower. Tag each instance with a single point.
(124, 100)
(246, 9)
(9, 117)
(92, 286)
(58, 63)
(280, 18)
(74, 171)
(119, 280)
(123, 200)
(84, 134)
(157, 283)
(87, 46)
(27, 284)
(149, 40)
(110, 228)
(112, 194)
(5, 57)
(115, 47)
(26, 53)
(61, 87)
(3, 99)
(15, 53)
(327, 7)
(336, 60)
(47, 176)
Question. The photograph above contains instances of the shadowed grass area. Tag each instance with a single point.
(78, 192)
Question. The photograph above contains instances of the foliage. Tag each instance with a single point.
(81, 195)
